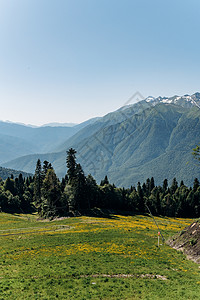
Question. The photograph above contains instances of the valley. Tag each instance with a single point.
(153, 137)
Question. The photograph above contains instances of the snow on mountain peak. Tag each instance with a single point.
(185, 101)
(149, 99)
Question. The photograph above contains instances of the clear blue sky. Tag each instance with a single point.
(70, 60)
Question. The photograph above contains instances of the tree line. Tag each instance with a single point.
(51, 197)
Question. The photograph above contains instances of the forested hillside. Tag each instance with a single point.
(5, 173)
(77, 192)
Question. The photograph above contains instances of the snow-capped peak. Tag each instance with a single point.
(184, 101)
(149, 99)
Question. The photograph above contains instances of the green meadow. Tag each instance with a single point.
(93, 258)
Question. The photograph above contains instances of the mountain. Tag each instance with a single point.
(153, 137)
(94, 125)
(17, 139)
(5, 173)
(56, 124)
(186, 101)
(85, 130)
(12, 147)
(157, 142)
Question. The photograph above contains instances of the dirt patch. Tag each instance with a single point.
(188, 241)
(60, 219)
(149, 276)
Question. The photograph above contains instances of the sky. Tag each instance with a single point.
(71, 60)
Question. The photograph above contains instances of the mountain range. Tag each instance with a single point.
(17, 140)
(153, 137)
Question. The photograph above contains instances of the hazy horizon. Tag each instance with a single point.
(132, 100)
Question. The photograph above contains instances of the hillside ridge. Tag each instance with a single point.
(145, 139)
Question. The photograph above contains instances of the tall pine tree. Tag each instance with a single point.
(38, 187)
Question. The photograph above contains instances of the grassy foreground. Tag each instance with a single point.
(93, 258)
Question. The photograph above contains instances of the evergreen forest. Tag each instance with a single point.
(51, 197)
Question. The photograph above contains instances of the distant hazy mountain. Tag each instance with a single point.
(19, 123)
(153, 137)
(54, 124)
(17, 139)
(5, 173)
(12, 147)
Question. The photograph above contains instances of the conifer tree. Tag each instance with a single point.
(9, 185)
(51, 194)
(71, 164)
(79, 185)
(195, 185)
(20, 185)
(174, 186)
(77, 181)
(165, 185)
(38, 186)
(152, 184)
(46, 166)
(104, 181)
(92, 192)
(141, 205)
(148, 187)
(144, 189)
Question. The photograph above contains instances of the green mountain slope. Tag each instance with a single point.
(27, 163)
(12, 147)
(5, 173)
(17, 140)
(85, 131)
(129, 147)
(98, 124)
(147, 145)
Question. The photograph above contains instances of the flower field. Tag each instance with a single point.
(93, 258)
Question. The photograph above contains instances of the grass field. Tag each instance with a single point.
(93, 258)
